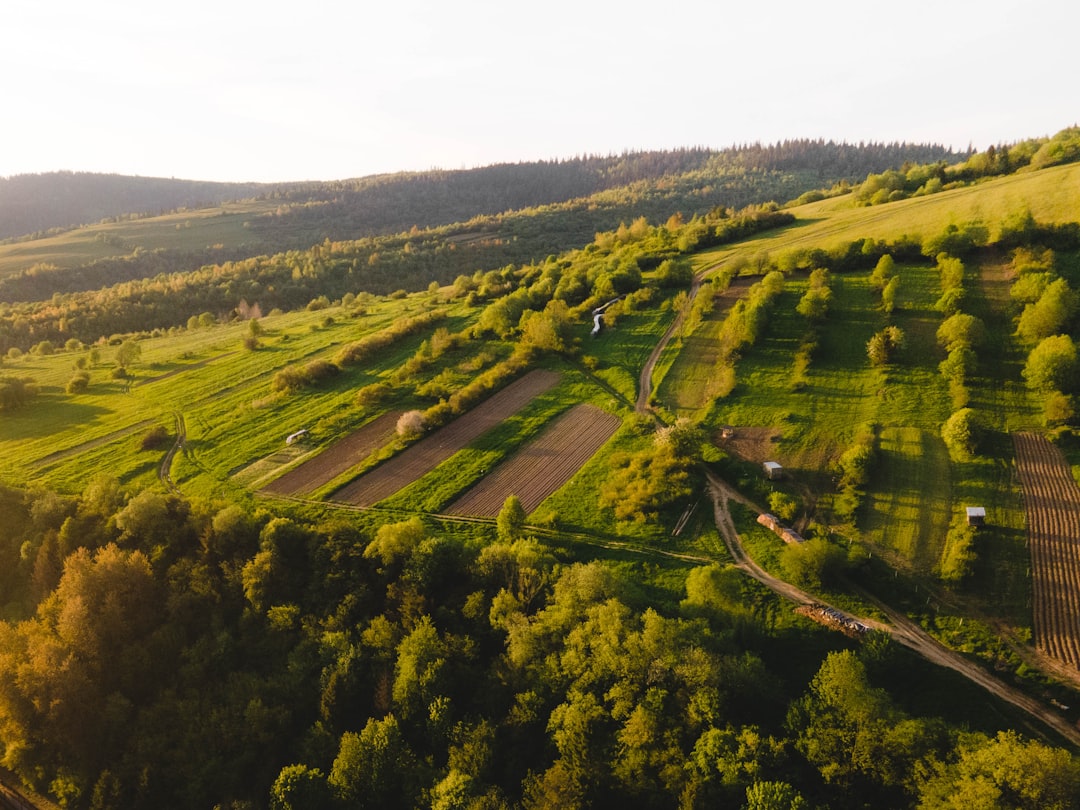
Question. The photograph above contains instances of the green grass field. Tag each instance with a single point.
(222, 390)
(194, 230)
(916, 490)
(1051, 195)
(233, 419)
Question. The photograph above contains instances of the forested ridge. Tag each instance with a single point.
(406, 231)
(511, 213)
(33, 203)
(395, 202)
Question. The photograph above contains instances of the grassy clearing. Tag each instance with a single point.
(1052, 195)
(842, 390)
(910, 514)
(183, 230)
(686, 384)
(232, 416)
(916, 490)
(621, 350)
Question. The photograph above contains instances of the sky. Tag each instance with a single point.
(236, 90)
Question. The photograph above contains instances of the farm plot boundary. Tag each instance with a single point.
(424, 456)
(1052, 504)
(542, 466)
(336, 459)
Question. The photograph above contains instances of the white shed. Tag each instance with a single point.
(976, 515)
(773, 470)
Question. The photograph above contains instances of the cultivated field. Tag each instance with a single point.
(425, 455)
(1052, 500)
(542, 466)
(336, 459)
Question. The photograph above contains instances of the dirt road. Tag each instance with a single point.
(645, 380)
(900, 627)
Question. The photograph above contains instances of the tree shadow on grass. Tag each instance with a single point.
(47, 415)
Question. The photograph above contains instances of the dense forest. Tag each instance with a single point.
(190, 654)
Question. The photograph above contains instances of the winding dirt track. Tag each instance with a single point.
(165, 470)
(900, 627)
(645, 380)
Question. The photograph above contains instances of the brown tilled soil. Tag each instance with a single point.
(1052, 503)
(542, 466)
(422, 457)
(337, 458)
(757, 444)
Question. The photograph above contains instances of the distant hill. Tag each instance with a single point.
(35, 203)
(32, 203)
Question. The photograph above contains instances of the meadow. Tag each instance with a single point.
(197, 229)
(803, 413)
(222, 388)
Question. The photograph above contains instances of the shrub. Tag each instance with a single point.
(813, 564)
(154, 438)
(372, 395)
(79, 382)
(293, 378)
(1058, 408)
(959, 555)
(857, 462)
(411, 424)
(783, 506)
(16, 391)
(362, 350)
(883, 345)
(1052, 365)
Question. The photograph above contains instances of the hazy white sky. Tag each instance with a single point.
(319, 89)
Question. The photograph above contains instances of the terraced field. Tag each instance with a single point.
(1052, 501)
(337, 459)
(424, 456)
(542, 466)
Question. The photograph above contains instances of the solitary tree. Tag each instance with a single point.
(511, 519)
(961, 433)
(128, 352)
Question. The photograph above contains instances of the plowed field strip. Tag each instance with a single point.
(1052, 504)
(427, 454)
(543, 465)
(337, 458)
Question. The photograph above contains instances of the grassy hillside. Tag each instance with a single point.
(1051, 195)
(807, 418)
(539, 208)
